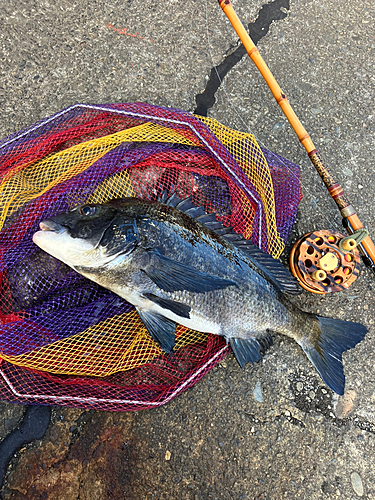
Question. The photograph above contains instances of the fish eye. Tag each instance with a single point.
(87, 210)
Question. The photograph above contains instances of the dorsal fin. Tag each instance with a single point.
(214, 225)
(223, 231)
(163, 197)
(185, 205)
(172, 200)
(271, 269)
(206, 218)
(195, 212)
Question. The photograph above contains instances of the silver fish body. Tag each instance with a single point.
(169, 262)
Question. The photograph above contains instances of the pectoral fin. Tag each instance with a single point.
(171, 276)
(161, 329)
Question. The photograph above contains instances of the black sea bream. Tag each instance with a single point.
(176, 264)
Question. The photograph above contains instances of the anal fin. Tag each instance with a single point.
(245, 350)
(266, 341)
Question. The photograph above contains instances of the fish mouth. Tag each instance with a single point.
(50, 225)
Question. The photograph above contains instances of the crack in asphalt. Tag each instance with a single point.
(285, 415)
(274, 11)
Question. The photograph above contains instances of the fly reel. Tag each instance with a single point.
(325, 261)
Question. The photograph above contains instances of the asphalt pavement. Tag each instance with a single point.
(272, 430)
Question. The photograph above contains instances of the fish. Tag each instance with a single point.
(176, 264)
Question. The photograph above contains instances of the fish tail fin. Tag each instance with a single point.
(325, 345)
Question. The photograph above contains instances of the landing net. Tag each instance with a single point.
(64, 339)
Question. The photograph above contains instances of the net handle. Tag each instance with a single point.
(335, 190)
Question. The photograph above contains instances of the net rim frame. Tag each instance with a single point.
(136, 403)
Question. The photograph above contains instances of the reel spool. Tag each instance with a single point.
(321, 265)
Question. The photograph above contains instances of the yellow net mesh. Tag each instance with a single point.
(102, 350)
(253, 163)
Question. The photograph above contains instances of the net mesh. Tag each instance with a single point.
(66, 340)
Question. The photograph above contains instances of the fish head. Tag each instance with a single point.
(88, 236)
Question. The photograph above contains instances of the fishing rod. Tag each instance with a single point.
(351, 221)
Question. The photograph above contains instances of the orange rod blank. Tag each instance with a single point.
(334, 188)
